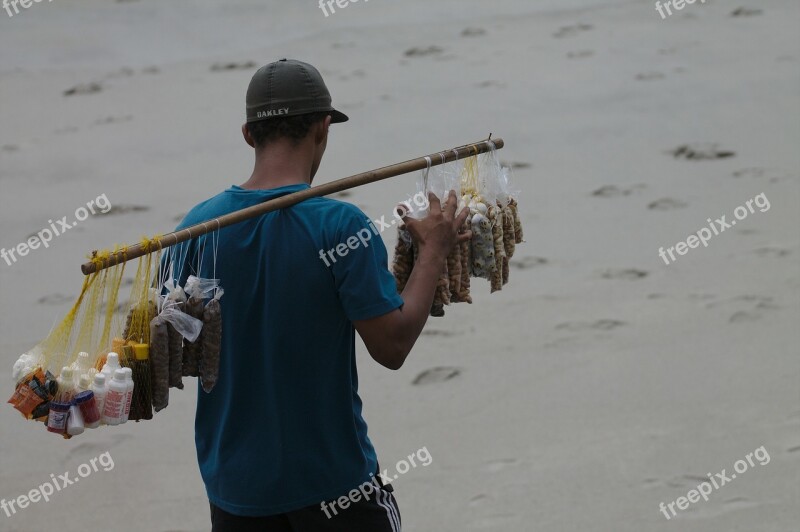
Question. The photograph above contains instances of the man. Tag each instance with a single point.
(281, 441)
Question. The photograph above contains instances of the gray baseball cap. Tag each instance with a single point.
(288, 88)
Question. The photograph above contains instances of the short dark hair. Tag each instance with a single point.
(295, 128)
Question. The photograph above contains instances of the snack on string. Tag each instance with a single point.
(496, 218)
(212, 342)
(483, 187)
(142, 402)
(159, 362)
(403, 261)
(192, 350)
(454, 273)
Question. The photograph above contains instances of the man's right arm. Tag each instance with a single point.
(390, 337)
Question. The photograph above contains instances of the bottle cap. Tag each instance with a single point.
(83, 397)
(119, 375)
(142, 351)
(100, 379)
(59, 407)
(128, 373)
(84, 382)
(66, 373)
(112, 360)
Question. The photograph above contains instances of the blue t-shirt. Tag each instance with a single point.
(283, 428)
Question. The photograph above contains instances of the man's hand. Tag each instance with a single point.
(389, 338)
(437, 233)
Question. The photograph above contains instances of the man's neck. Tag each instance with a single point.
(281, 164)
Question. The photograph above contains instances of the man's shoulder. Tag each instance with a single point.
(334, 209)
(203, 211)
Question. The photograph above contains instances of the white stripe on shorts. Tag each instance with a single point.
(383, 500)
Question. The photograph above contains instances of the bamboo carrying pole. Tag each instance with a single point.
(170, 239)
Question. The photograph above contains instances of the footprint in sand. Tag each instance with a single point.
(597, 325)
(749, 307)
(473, 32)
(113, 120)
(515, 165)
(357, 74)
(435, 375)
(666, 204)
(434, 332)
(528, 262)
(66, 129)
(125, 209)
(649, 76)
(9, 148)
(479, 499)
(747, 300)
(84, 88)
(701, 151)
(746, 12)
(674, 482)
(771, 174)
(490, 83)
(571, 31)
(55, 299)
(754, 172)
(772, 252)
(613, 191)
(423, 52)
(495, 466)
(730, 505)
(743, 317)
(580, 54)
(222, 67)
(624, 274)
(793, 449)
(124, 72)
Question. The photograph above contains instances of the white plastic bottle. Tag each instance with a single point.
(111, 365)
(75, 424)
(84, 383)
(99, 388)
(115, 399)
(82, 365)
(66, 383)
(129, 395)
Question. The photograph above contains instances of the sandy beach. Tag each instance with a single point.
(603, 381)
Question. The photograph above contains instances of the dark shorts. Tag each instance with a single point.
(372, 508)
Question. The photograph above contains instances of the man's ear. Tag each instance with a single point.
(246, 134)
(322, 131)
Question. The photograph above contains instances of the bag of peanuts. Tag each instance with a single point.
(485, 188)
